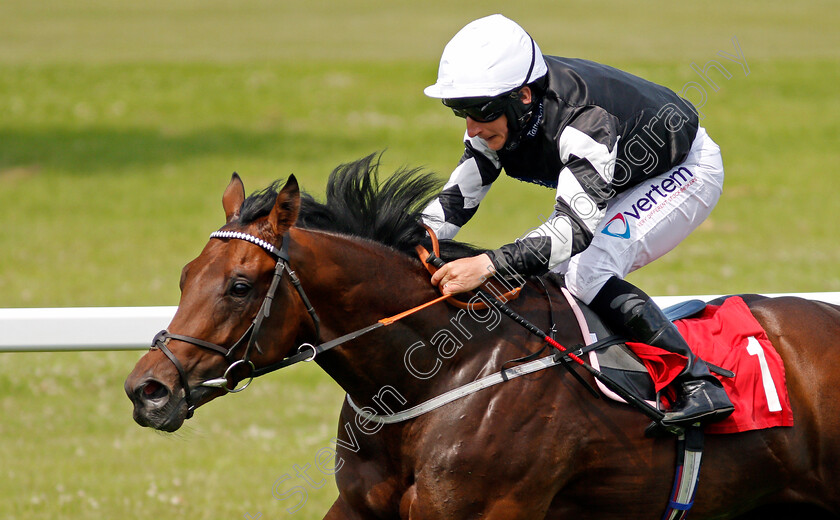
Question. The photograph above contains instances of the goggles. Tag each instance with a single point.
(481, 109)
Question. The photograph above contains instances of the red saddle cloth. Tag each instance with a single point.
(730, 337)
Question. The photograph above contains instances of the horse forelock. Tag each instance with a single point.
(259, 204)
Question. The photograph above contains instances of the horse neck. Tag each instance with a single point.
(353, 283)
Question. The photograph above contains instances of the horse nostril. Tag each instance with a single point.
(152, 390)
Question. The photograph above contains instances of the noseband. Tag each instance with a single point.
(249, 337)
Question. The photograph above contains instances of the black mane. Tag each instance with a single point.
(359, 204)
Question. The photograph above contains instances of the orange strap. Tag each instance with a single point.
(423, 253)
(392, 319)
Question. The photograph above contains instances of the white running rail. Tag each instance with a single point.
(132, 328)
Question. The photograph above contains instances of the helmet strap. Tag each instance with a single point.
(518, 113)
(522, 119)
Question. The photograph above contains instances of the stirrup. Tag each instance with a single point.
(657, 430)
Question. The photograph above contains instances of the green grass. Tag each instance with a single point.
(70, 449)
(120, 125)
(112, 182)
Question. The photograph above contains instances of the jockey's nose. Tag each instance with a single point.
(473, 127)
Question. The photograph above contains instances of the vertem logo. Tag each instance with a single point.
(658, 195)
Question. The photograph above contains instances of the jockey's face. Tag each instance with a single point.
(495, 132)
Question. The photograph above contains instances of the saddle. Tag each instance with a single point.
(620, 363)
(724, 334)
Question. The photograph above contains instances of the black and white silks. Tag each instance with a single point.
(602, 132)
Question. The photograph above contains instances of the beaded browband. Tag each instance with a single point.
(249, 238)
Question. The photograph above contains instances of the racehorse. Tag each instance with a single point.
(538, 446)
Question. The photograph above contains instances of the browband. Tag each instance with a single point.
(254, 240)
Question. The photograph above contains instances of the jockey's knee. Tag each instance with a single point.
(584, 284)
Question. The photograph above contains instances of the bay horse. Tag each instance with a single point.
(536, 447)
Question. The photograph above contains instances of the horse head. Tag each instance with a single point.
(218, 338)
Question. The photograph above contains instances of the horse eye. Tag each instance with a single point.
(240, 288)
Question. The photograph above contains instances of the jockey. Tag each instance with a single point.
(634, 174)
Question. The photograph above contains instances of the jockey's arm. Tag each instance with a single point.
(588, 147)
(469, 183)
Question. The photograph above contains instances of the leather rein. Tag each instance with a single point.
(305, 352)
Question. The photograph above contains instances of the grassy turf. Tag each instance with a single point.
(121, 123)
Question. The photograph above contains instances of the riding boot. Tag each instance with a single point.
(629, 311)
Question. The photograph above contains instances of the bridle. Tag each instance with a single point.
(306, 351)
(249, 337)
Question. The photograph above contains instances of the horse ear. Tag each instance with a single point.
(286, 207)
(234, 197)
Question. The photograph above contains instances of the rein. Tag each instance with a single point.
(306, 351)
(428, 260)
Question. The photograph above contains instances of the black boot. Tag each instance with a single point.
(629, 311)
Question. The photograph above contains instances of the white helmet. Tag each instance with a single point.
(488, 57)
